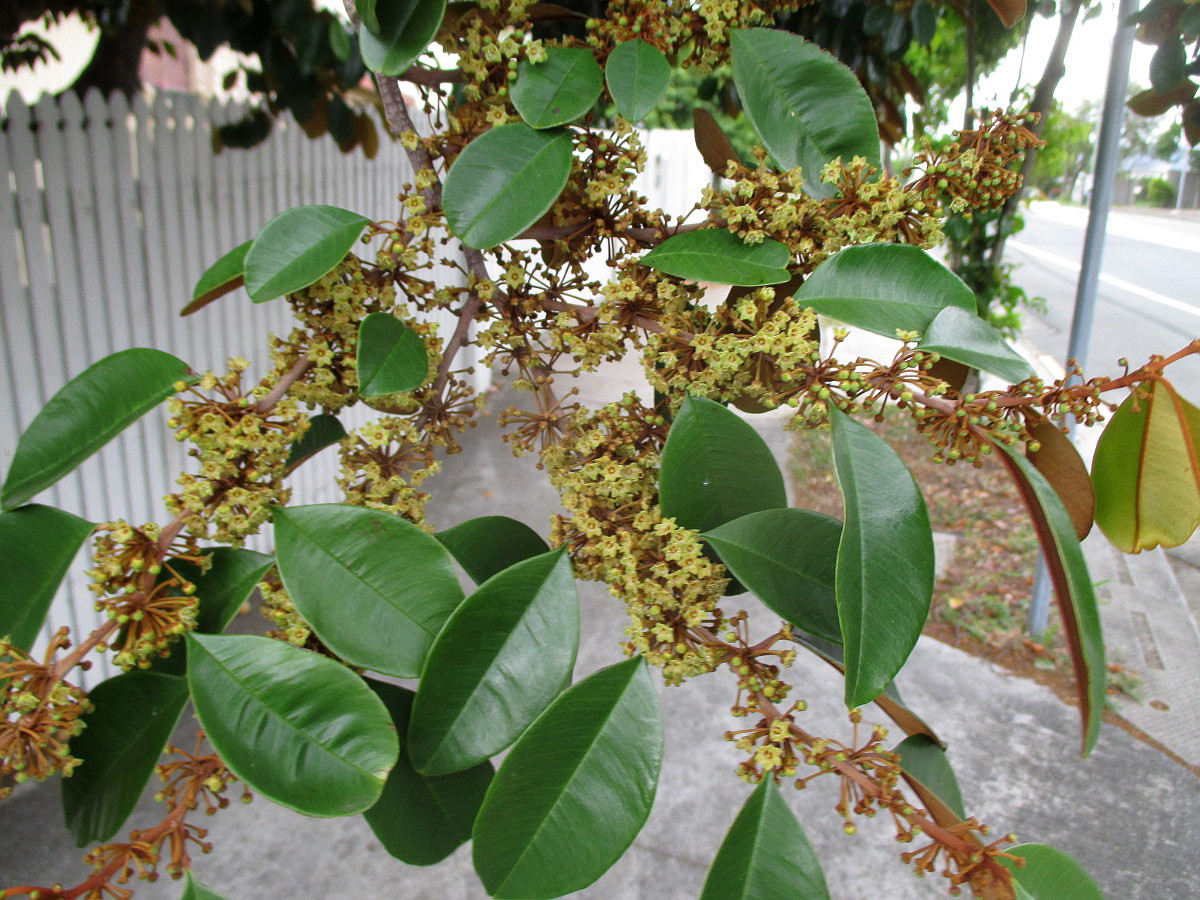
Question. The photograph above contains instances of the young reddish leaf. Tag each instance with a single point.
(1010, 11)
(1151, 103)
(928, 771)
(1058, 460)
(1072, 588)
(711, 141)
(1146, 470)
(222, 277)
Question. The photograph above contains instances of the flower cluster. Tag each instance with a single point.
(39, 714)
(974, 171)
(383, 462)
(607, 474)
(242, 447)
(139, 589)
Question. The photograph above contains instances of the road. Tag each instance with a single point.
(1147, 302)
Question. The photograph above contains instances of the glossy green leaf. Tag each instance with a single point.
(219, 279)
(575, 790)
(227, 582)
(1072, 588)
(720, 256)
(195, 890)
(374, 587)
(298, 247)
(637, 75)
(491, 544)
(807, 107)
(504, 181)
(884, 288)
(962, 336)
(765, 854)
(132, 718)
(522, 627)
(786, 558)
(559, 89)
(396, 32)
(924, 760)
(423, 819)
(324, 430)
(92, 409)
(1049, 874)
(221, 589)
(37, 545)
(884, 562)
(1146, 470)
(715, 468)
(391, 356)
(297, 727)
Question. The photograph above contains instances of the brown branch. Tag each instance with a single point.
(432, 77)
(297, 371)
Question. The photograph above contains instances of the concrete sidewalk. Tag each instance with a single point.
(1129, 814)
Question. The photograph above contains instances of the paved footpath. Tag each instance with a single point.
(1129, 813)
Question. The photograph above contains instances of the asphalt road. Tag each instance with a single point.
(1147, 302)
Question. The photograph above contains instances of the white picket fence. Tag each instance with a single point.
(110, 211)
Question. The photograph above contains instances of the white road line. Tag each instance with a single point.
(1110, 280)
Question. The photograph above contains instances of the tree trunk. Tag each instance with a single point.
(114, 66)
(1043, 96)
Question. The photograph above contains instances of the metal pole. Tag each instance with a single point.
(1107, 157)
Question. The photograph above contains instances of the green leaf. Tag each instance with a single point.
(396, 32)
(522, 627)
(340, 40)
(720, 256)
(808, 108)
(1049, 874)
(1072, 588)
(491, 544)
(559, 89)
(221, 589)
(884, 288)
(1168, 66)
(786, 557)
(924, 760)
(924, 22)
(765, 854)
(324, 430)
(1146, 470)
(504, 181)
(219, 279)
(298, 247)
(298, 728)
(884, 561)
(576, 788)
(226, 583)
(715, 468)
(37, 545)
(92, 409)
(374, 587)
(132, 718)
(1189, 22)
(391, 357)
(422, 819)
(195, 890)
(961, 335)
(637, 74)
